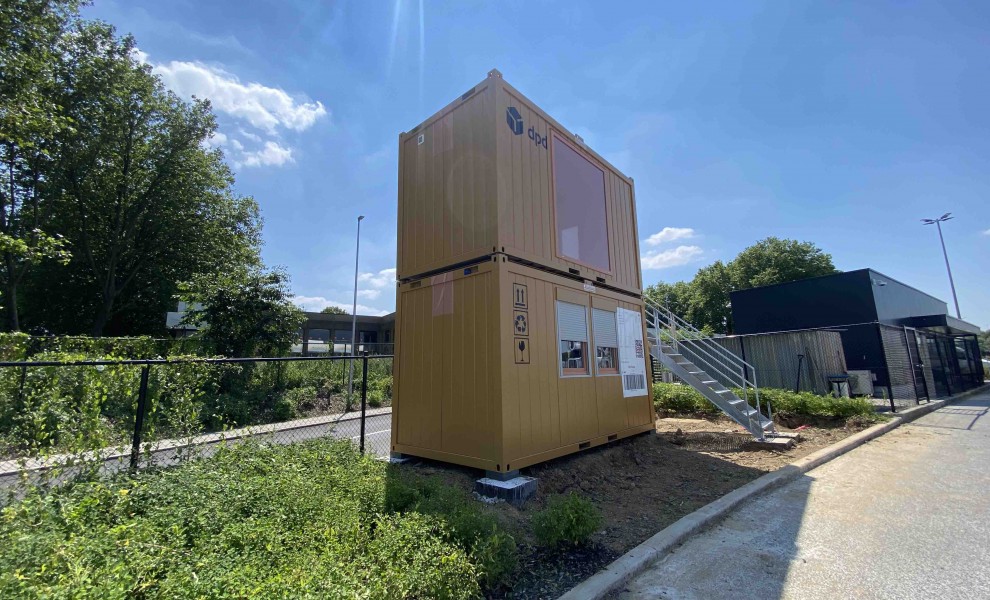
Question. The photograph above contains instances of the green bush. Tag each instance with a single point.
(47, 410)
(567, 519)
(679, 399)
(469, 526)
(305, 520)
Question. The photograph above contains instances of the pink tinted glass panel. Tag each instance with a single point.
(582, 233)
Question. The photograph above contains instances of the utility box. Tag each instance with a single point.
(491, 172)
(520, 334)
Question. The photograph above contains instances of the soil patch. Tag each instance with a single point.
(641, 484)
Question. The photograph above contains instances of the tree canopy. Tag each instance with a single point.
(705, 300)
(247, 312)
(334, 310)
(114, 179)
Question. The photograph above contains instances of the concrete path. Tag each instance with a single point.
(905, 516)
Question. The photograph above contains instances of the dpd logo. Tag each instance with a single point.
(515, 122)
(514, 119)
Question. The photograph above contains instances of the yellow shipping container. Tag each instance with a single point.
(500, 366)
(491, 172)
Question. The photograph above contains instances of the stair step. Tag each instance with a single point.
(709, 382)
(722, 391)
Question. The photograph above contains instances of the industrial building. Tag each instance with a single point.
(899, 342)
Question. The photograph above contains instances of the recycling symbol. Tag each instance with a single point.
(522, 327)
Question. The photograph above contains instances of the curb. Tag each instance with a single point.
(640, 558)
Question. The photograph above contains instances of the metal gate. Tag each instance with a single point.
(917, 363)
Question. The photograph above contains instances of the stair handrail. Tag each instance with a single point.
(676, 322)
(706, 339)
(728, 373)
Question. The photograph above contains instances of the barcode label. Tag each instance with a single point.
(634, 382)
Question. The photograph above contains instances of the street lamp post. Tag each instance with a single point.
(938, 223)
(350, 375)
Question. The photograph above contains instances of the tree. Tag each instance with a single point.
(984, 340)
(334, 310)
(774, 260)
(711, 310)
(141, 199)
(32, 35)
(705, 300)
(248, 312)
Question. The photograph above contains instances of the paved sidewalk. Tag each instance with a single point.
(905, 516)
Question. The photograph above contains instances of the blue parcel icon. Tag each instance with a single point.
(514, 119)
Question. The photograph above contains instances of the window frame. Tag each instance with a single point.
(554, 136)
(571, 297)
(614, 371)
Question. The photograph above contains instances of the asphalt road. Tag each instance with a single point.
(904, 516)
(377, 438)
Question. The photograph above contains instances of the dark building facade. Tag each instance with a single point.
(903, 336)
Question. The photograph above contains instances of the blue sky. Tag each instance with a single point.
(841, 123)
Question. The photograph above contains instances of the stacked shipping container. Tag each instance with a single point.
(519, 329)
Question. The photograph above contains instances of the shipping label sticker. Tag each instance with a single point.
(632, 355)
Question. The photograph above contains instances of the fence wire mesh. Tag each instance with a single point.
(61, 421)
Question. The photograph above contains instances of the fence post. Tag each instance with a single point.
(142, 407)
(364, 394)
(24, 372)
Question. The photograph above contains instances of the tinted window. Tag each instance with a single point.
(579, 185)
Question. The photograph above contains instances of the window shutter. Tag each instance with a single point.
(604, 328)
(572, 322)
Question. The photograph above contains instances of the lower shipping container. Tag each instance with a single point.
(500, 366)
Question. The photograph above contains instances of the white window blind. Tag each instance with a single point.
(604, 328)
(572, 322)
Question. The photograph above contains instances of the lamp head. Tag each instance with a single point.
(360, 218)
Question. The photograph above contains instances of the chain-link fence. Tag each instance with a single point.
(65, 420)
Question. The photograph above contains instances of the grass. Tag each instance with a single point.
(307, 520)
(677, 399)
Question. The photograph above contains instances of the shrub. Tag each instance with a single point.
(469, 526)
(673, 398)
(569, 519)
(304, 520)
(78, 408)
(679, 399)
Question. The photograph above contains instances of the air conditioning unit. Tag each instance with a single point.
(861, 383)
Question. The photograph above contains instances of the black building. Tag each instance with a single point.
(903, 336)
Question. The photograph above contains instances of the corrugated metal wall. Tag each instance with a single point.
(526, 202)
(776, 358)
(447, 189)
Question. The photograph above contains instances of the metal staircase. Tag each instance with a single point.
(709, 368)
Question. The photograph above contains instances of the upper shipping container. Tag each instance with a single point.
(492, 172)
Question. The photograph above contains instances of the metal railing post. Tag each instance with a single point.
(142, 407)
(364, 395)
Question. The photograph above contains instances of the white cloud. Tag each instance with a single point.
(987, 232)
(266, 108)
(675, 257)
(369, 294)
(377, 281)
(217, 139)
(670, 234)
(271, 154)
(318, 303)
